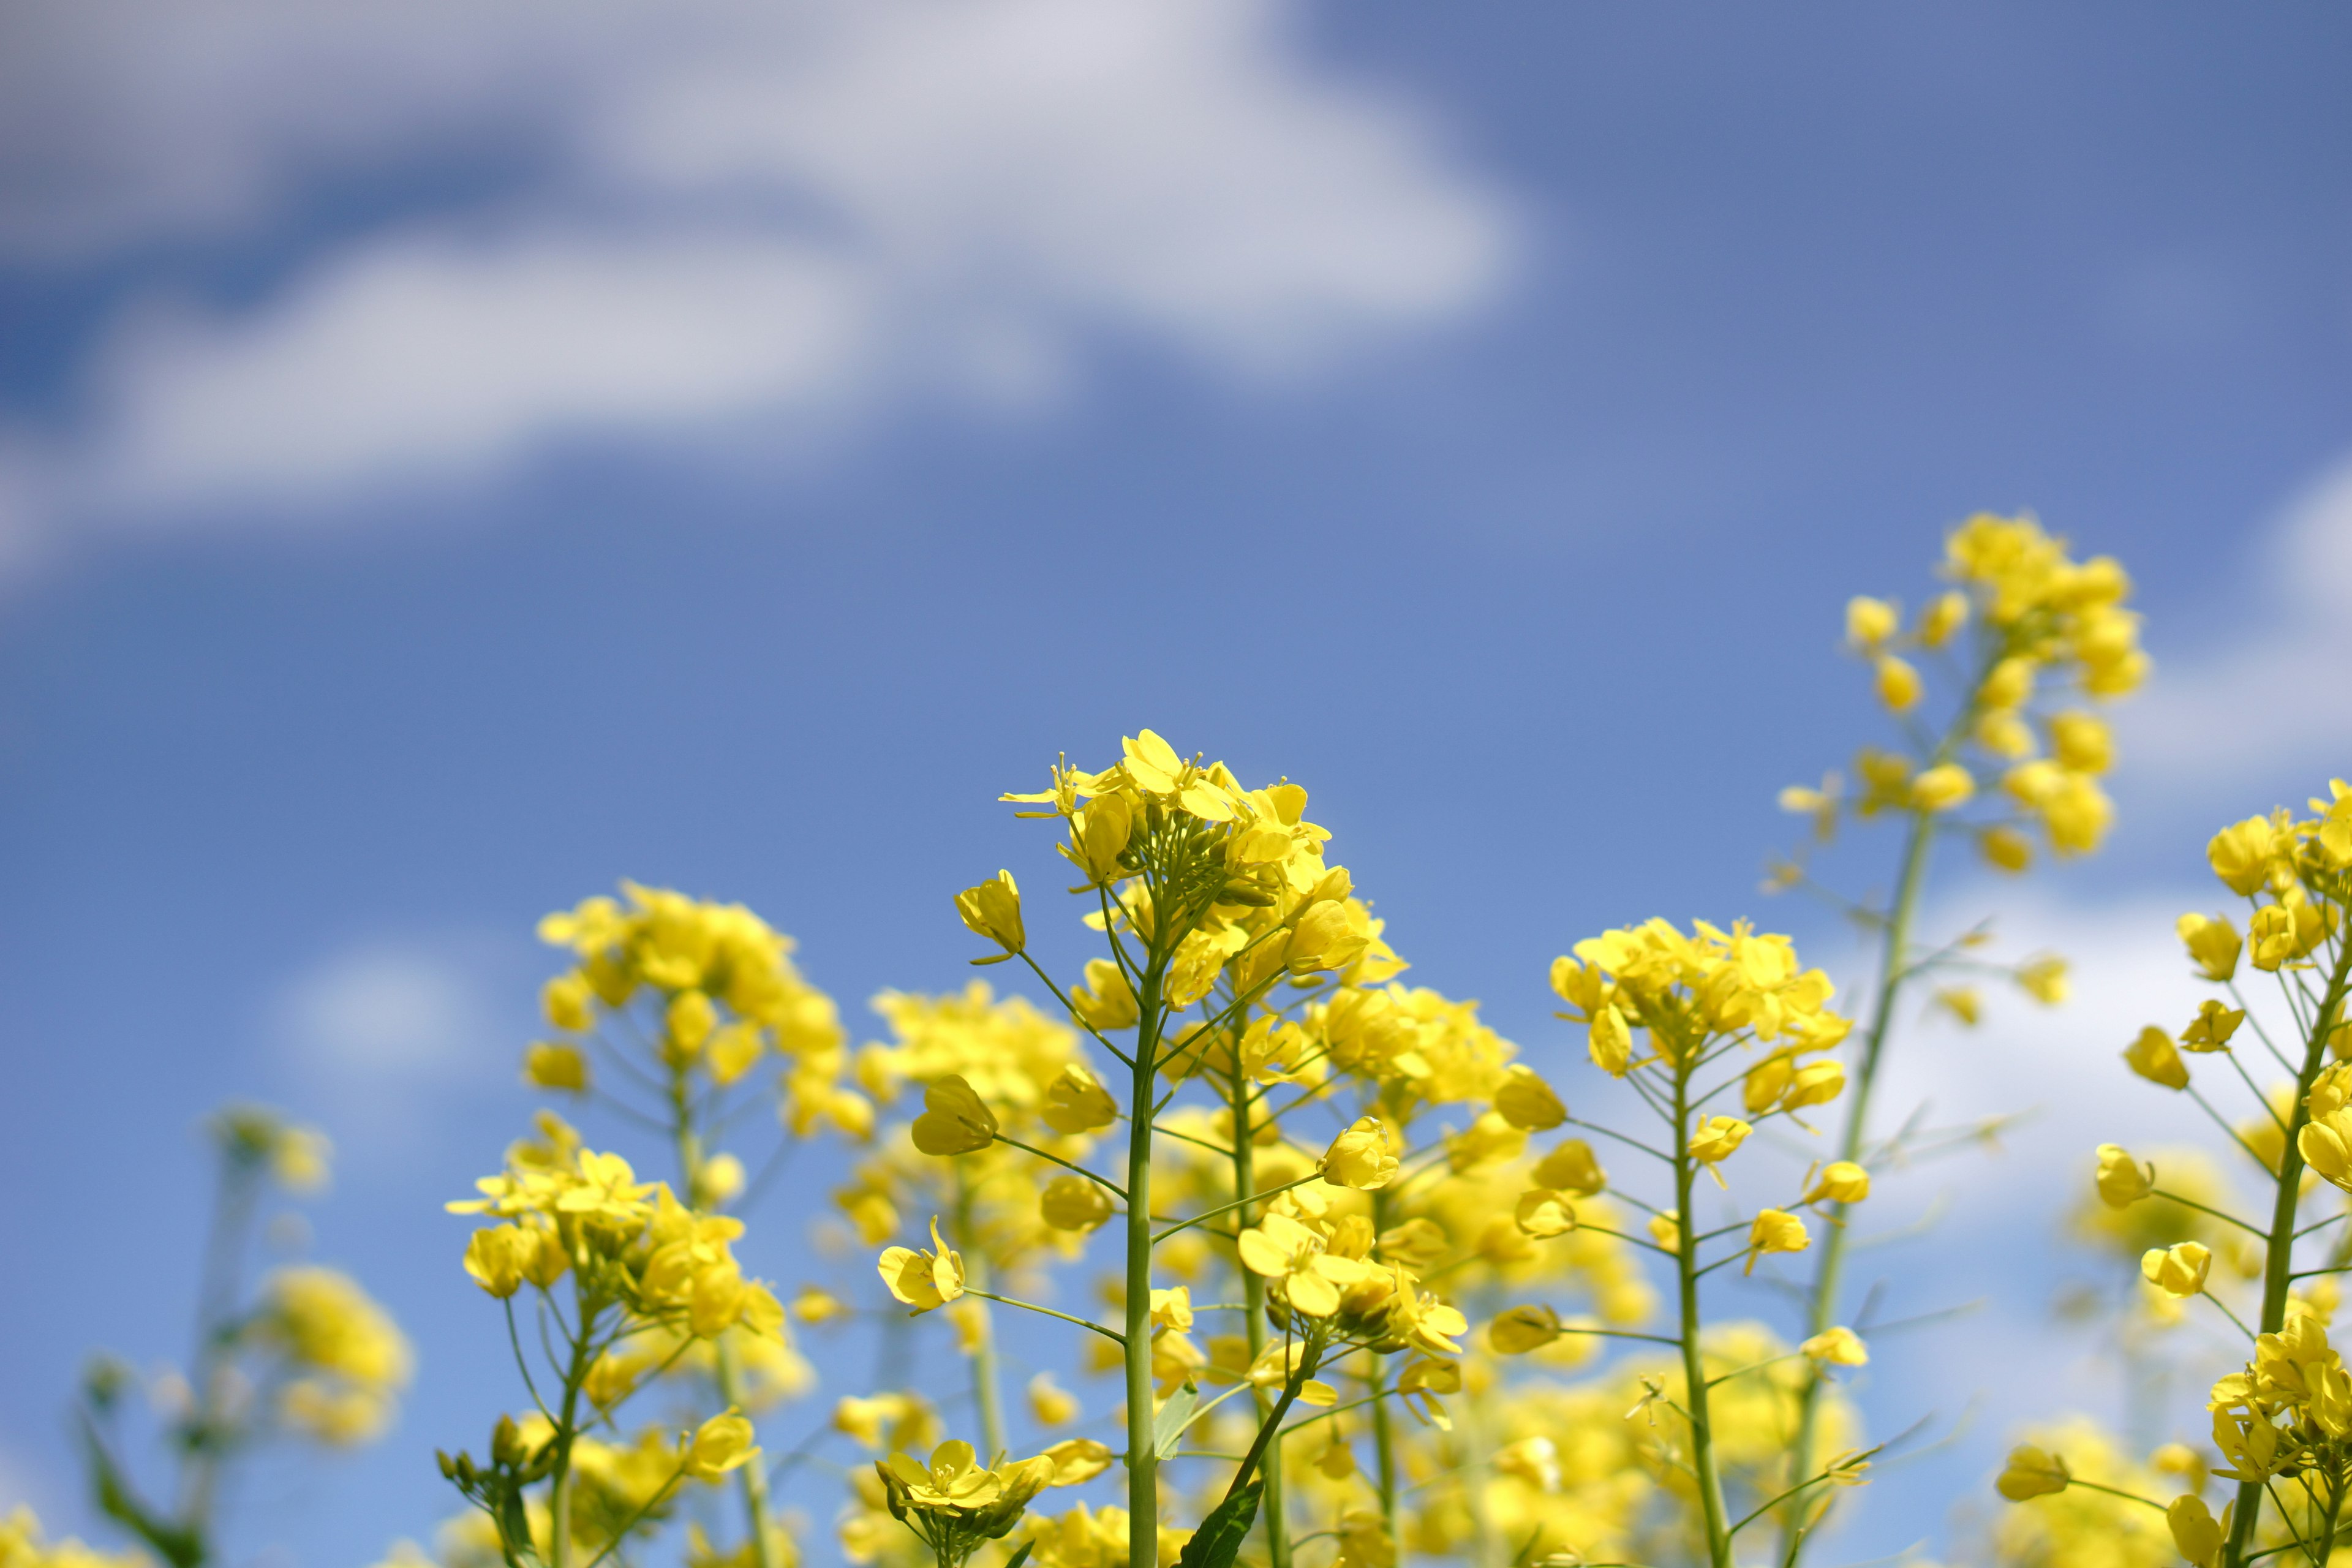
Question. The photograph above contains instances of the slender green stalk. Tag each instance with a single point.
(559, 1507)
(1384, 1430)
(985, 1396)
(2278, 1263)
(1829, 1268)
(1142, 1461)
(1278, 1532)
(1694, 1392)
(727, 1373)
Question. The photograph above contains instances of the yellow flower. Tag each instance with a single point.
(1518, 1329)
(1610, 1042)
(1074, 1202)
(1667, 1230)
(2213, 945)
(568, 1001)
(1076, 1103)
(2123, 1181)
(1841, 1182)
(2005, 848)
(2179, 1270)
(2007, 685)
(992, 909)
(2155, 1058)
(1943, 787)
(2082, 741)
(1050, 1403)
(1837, 1347)
(1526, 1100)
(2030, 1473)
(1774, 1230)
(2280, 933)
(495, 1258)
(719, 1445)
(1542, 1213)
(2045, 979)
(1571, 1168)
(1899, 684)
(922, 1280)
(556, 1066)
(1714, 1139)
(1961, 1002)
(2194, 1532)
(1359, 1157)
(1076, 1460)
(953, 1478)
(2211, 1029)
(955, 1121)
(1310, 1278)
(1870, 623)
(1946, 613)
(2241, 853)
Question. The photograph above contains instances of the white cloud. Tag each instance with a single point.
(729, 212)
(2272, 702)
(389, 1014)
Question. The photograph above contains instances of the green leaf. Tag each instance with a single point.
(1219, 1539)
(1022, 1555)
(1175, 1415)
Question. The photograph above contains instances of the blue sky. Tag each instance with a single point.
(450, 460)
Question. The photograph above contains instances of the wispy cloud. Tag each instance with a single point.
(726, 214)
(377, 1032)
(2269, 702)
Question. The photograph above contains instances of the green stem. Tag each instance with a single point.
(985, 1395)
(1702, 1430)
(1277, 1532)
(559, 1507)
(1143, 1460)
(1383, 1429)
(2279, 1259)
(1829, 1269)
(727, 1371)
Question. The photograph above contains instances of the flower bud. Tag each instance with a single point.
(1359, 1157)
(1518, 1329)
(2179, 1270)
(1841, 1182)
(1899, 684)
(992, 909)
(2005, 849)
(1716, 1138)
(1775, 1230)
(2213, 945)
(1525, 1100)
(2194, 1532)
(2123, 1181)
(1570, 1168)
(955, 1121)
(1870, 623)
(1542, 1213)
(2031, 1472)
(1076, 1103)
(1074, 1202)
(719, 1445)
(1837, 1347)
(555, 1066)
(1946, 613)
(2154, 1056)
(1942, 787)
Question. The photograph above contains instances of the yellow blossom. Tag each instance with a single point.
(1897, 683)
(1361, 1157)
(2154, 1056)
(1839, 1181)
(992, 909)
(1774, 1230)
(2179, 1270)
(2123, 1181)
(1074, 1202)
(955, 1121)
(1527, 1101)
(1836, 1347)
(923, 1281)
(1943, 787)
(2213, 945)
(2031, 1472)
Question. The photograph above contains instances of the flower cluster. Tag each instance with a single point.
(2281, 1423)
(720, 995)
